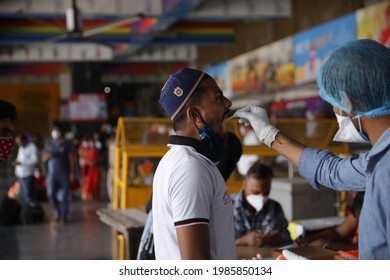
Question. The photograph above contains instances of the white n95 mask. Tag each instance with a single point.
(55, 134)
(347, 131)
(257, 201)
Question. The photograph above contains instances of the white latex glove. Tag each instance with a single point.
(258, 119)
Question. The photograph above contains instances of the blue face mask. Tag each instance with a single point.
(211, 139)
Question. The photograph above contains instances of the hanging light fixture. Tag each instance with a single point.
(73, 19)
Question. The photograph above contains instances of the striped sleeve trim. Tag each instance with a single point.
(190, 222)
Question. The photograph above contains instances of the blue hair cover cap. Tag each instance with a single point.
(356, 78)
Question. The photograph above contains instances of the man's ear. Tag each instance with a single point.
(193, 114)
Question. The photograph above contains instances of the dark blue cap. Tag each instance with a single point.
(178, 89)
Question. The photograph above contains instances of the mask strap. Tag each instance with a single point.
(200, 116)
(360, 124)
(196, 126)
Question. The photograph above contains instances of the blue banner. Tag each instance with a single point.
(311, 47)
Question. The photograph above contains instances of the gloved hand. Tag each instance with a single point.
(258, 119)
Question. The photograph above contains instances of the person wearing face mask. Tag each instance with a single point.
(9, 208)
(7, 124)
(192, 209)
(82, 152)
(25, 162)
(355, 80)
(259, 220)
(58, 154)
(92, 179)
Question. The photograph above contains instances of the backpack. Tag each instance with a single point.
(32, 213)
(9, 211)
(146, 246)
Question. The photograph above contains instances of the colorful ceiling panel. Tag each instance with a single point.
(16, 31)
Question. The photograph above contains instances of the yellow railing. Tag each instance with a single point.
(139, 139)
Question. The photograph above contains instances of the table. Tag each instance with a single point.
(129, 222)
(320, 223)
(271, 253)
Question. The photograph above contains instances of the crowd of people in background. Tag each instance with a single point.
(66, 168)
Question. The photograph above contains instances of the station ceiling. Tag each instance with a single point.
(127, 28)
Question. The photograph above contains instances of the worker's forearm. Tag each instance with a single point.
(288, 147)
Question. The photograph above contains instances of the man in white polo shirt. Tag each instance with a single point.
(192, 210)
(25, 162)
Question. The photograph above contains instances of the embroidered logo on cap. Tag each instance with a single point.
(178, 91)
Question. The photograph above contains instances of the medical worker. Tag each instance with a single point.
(355, 79)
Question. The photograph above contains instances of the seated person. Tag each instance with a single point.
(341, 237)
(259, 220)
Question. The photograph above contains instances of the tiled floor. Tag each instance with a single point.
(85, 237)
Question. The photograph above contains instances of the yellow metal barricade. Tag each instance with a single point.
(141, 142)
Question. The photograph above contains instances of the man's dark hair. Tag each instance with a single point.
(7, 110)
(58, 126)
(259, 171)
(195, 99)
(22, 137)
